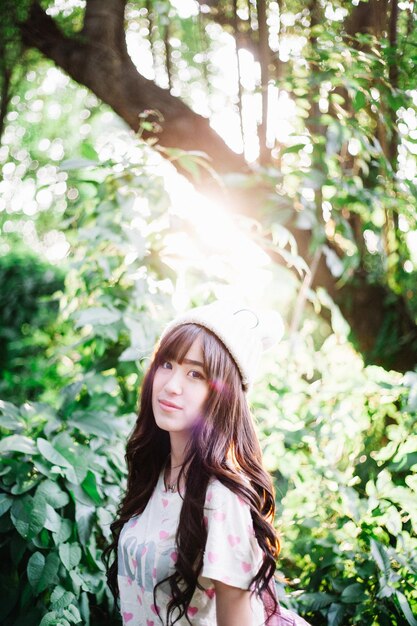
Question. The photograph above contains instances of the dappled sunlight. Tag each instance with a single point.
(219, 102)
(217, 245)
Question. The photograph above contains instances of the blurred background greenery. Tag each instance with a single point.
(121, 204)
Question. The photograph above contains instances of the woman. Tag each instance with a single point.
(194, 539)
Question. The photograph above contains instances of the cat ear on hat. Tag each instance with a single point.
(247, 317)
(271, 328)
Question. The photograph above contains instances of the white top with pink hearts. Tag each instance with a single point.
(147, 554)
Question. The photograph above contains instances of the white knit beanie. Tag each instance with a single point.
(244, 331)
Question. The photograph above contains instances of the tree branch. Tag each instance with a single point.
(104, 23)
(104, 66)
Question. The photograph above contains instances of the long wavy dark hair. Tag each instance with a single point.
(223, 446)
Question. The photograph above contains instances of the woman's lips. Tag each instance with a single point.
(168, 406)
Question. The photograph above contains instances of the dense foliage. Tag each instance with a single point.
(63, 462)
(336, 435)
(95, 258)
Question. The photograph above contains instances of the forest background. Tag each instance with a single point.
(155, 155)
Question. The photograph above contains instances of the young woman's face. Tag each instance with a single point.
(179, 391)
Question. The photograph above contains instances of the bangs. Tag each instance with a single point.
(218, 362)
(176, 344)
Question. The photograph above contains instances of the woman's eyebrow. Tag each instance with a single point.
(191, 362)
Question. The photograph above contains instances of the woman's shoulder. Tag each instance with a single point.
(219, 493)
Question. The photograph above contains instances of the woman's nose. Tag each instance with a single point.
(173, 384)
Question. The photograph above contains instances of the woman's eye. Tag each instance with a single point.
(166, 365)
(195, 374)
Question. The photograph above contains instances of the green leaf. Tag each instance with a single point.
(316, 601)
(72, 614)
(380, 556)
(79, 457)
(77, 582)
(96, 315)
(95, 423)
(35, 567)
(70, 554)
(84, 517)
(190, 165)
(85, 608)
(75, 164)
(105, 518)
(359, 101)
(353, 593)
(51, 619)
(42, 572)
(61, 598)
(88, 151)
(53, 494)
(58, 456)
(10, 416)
(295, 148)
(335, 614)
(53, 520)
(17, 443)
(64, 532)
(51, 454)
(28, 515)
(6, 502)
(405, 608)
(89, 485)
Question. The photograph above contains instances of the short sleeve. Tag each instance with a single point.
(232, 554)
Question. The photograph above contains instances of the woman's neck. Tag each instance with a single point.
(178, 447)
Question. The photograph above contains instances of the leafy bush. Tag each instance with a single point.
(27, 317)
(62, 459)
(338, 436)
(61, 478)
(340, 439)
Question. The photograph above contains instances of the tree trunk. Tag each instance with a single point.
(98, 59)
(264, 55)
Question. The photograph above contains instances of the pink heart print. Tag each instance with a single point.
(163, 534)
(144, 550)
(209, 496)
(127, 616)
(212, 557)
(192, 610)
(233, 540)
(164, 502)
(219, 516)
(155, 609)
(174, 556)
(251, 531)
(210, 593)
(246, 566)
(150, 622)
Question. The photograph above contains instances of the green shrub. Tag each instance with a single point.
(27, 320)
(61, 481)
(340, 439)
